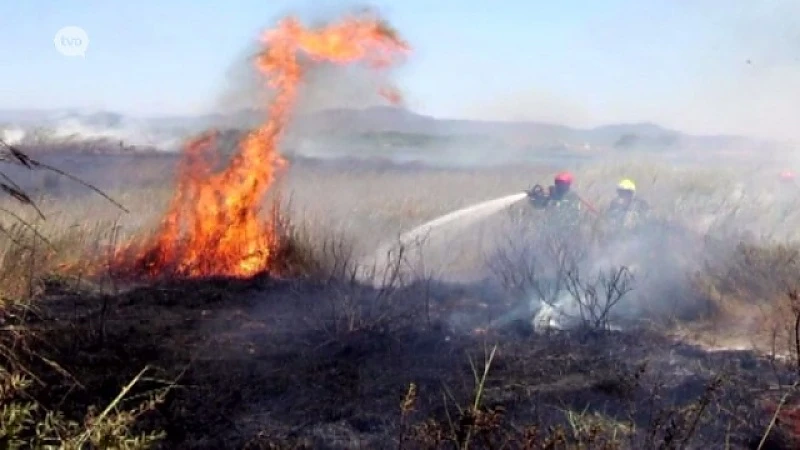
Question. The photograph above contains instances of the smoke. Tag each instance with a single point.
(88, 128)
(531, 105)
(325, 86)
(242, 88)
(13, 135)
(561, 276)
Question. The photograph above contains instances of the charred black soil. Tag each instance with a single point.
(268, 363)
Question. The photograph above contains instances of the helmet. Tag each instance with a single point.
(627, 185)
(564, 177)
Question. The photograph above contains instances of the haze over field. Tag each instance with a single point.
(392, 133)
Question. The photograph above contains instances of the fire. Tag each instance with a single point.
(212, 225)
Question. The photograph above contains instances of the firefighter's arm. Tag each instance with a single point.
(537, 196)
(539, 202)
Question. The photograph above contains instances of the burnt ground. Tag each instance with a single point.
(271, 363)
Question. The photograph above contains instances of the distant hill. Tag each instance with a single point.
(531, 135)
(387, 126)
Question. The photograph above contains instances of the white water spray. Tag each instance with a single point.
(466, 216)
(473, 213)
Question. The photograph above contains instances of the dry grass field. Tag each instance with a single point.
(311, 356)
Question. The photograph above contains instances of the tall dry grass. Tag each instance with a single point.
(63, 236)
(38, 240)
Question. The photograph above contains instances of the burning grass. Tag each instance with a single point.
(213, 226)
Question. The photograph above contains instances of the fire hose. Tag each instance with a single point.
(537, 192)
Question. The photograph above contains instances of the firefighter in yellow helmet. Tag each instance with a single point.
(627, 209)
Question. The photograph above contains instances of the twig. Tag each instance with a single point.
(78, 180)
(87, 433)
(27, 225)
(21, 158)
(775, 416)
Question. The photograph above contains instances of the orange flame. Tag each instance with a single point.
(212, 225)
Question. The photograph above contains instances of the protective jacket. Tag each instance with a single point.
(627, 214)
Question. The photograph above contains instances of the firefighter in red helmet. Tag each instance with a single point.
(787, 176)
(559, 195)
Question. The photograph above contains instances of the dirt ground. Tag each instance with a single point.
(292, 364)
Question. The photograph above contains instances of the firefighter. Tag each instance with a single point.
(559, 195)
(627, 209)
(563, 208)
(787, 177)
(784, 197)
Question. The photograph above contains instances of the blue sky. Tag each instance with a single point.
(582, 63)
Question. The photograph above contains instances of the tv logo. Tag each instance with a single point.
(71, 41)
